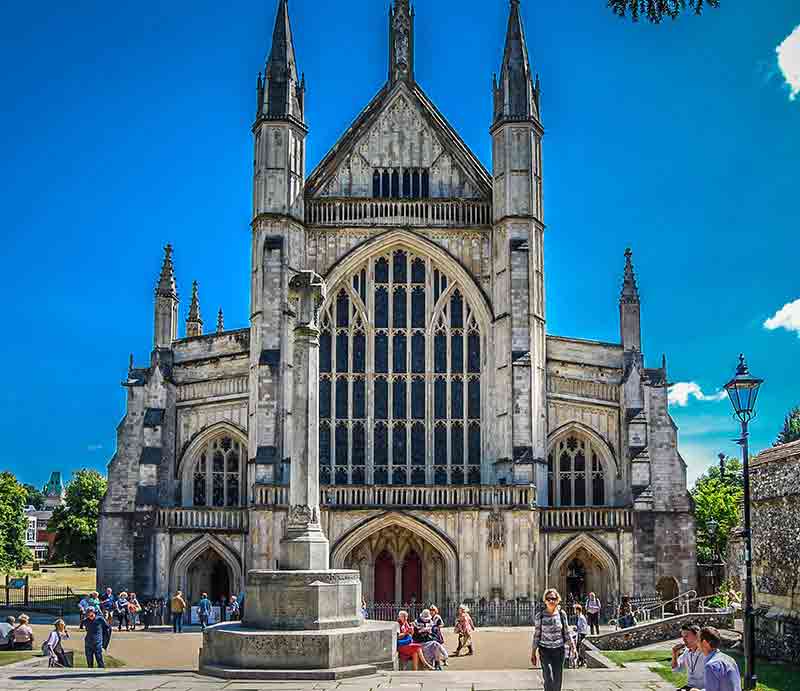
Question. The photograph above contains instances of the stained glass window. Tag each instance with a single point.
(400, 374)
(216, 479)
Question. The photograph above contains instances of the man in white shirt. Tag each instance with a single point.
(689, 657)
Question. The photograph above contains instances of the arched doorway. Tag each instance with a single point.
(384, 578)
(668, 588)
(576, 580)
(412, 578)
(208, 574)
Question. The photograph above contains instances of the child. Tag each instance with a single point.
(464, 628)
(582, 628)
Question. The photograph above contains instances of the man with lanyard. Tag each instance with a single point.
(688, 656)
(98, 634)
(721, 671)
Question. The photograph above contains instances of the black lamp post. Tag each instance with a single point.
(743, 392)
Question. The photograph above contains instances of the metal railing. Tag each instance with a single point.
(572, 519)
(407, 496)
(398, 212)
(230, 519)
(682, 604)
(24, 594)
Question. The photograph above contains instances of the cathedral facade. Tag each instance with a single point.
(464, 452)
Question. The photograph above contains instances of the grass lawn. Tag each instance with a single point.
(81, 580)
(772, 676)
(8, 658)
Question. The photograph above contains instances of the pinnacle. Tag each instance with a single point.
(220, 321)
(630, 291)
(166, 282)
(194, 307)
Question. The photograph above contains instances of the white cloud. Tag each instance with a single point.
(94, 447)
(680, 393)
(787, 317)
(789, 61)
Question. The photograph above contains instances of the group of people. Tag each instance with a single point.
(422, 641)
(16, 634)
(230, 609)
(123, 607)
(708, 669)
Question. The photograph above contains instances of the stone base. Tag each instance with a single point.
(302, 600)
(235, 649)
(293, 674)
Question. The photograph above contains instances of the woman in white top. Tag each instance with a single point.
(53, 648)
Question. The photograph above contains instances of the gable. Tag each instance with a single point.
(400, 130)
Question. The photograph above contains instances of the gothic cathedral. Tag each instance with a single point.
(464, 453)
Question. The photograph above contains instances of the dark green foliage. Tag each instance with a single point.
(791, 428)
(13, 524)
(717, 499)
(657, 10)
(75, 523)
(34, 497)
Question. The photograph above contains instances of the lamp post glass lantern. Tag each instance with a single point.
(743, 392)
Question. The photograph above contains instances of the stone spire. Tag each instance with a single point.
(166, 286)
(401, 42)
(515, 96)
(165, 322)
(280, 92)
(220, 321)
(629, 308)
(194, 322)
(630, 291)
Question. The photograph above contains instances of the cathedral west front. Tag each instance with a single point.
(464, 452)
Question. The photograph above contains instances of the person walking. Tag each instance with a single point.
(123, 614)
(593, 608)
(582, 629)
(134, 609)
(464, 628)
(688, 657)
(233, 607)
(177, 607)
(204, 611)
(98, 636)
(53, 647)
(721, 673)
(551, 637)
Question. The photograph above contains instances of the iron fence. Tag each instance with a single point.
(24, 594)
(505, 613)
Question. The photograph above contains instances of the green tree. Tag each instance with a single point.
(75, 523)
(13, 524)
(656, 11)
(791, 428)
(717, 501)
(34, 497)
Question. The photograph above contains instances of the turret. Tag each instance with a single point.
(629, 309)
(279, 129)
(166, 304)
(194, 323)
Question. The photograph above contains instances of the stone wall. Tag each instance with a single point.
(778, 635)
(658, 631)
(775, 478)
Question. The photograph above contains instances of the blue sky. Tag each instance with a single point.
(126, 125)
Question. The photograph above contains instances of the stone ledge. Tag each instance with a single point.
(293, 674)
(659, 631)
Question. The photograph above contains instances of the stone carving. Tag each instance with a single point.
(497, 530)
(301, 516)
(307, 290)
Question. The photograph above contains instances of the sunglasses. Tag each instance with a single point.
(551, 599)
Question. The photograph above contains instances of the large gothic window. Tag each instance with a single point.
(217, 472)
(400, 377)
(575, 474)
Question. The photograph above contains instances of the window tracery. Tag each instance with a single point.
(400, 381)
(216, 476)
(575, 474)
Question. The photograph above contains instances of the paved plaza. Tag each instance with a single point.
(142, 680)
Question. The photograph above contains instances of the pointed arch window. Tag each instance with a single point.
(576, 473)
(400, 377)
(217, 473)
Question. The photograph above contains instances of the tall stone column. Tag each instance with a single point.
(305, 547)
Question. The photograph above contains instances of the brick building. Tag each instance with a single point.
(464, 452)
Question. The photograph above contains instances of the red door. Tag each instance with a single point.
(412, 578)
(384, 578)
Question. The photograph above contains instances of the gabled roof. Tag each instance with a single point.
(449, 139)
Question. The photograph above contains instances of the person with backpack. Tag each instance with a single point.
(593, 608)
(551, 638)
(204, 611)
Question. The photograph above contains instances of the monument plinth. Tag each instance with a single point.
(303, 621)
